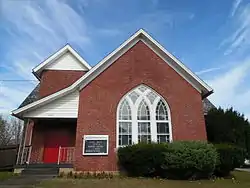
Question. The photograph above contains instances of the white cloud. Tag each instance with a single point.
(239, 39)
(209, 70)
(40, 29)
(36, 29)
(231, 89)
(235, 6)
(10, 95)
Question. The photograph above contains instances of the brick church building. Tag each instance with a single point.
(79, 115)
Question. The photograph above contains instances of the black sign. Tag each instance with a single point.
(95, 146)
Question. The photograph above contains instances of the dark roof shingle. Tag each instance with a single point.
(32, 97)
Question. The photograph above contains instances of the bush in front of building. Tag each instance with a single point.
(177, 160)
(230, 157)
(190, 160)
(142, 159)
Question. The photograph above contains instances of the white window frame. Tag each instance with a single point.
(143, 121)
(95, 137)
(152, 109)
(123, 121)
(163, 121)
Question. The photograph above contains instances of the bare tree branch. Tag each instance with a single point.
(10, 131)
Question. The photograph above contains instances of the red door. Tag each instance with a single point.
(51, 146)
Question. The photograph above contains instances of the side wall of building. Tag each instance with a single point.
(99, 99)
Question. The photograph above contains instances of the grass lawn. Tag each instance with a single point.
(5, 175)
(242, 180)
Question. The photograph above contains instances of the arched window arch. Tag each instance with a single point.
(143, 116)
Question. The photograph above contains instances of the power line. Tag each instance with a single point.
(18, 80)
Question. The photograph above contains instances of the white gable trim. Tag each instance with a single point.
(181, 69)
(67, 48)
(141, 35)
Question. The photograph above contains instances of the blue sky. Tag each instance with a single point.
(211, 37)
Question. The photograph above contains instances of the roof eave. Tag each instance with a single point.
(206, 94)
(36, 74)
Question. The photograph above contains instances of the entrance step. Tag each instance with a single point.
(33, 174)
(40, 171)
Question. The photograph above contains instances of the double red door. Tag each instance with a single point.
(53, 140)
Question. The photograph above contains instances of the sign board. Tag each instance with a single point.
(95, 145)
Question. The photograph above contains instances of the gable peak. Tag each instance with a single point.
(66, 58)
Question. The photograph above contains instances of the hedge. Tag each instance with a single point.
(142, 159)
(185, 160)
(230, 157)
(177, 160)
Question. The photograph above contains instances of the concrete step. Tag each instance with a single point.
(40, 171)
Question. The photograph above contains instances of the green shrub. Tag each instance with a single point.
(230, 157)
(190, 160)
(179, 160)
(142, 159)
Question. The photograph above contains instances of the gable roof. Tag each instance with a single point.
(140, 35)
(50, 60)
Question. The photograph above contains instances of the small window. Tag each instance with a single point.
(161, 111)
(143, 117)
(143, 111)
(125, 111)
(125, 133)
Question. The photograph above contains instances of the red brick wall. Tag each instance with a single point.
(99, 100)
(55, 80)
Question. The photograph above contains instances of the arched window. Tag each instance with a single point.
(125, 124)
(143, 116)
(162, 122)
